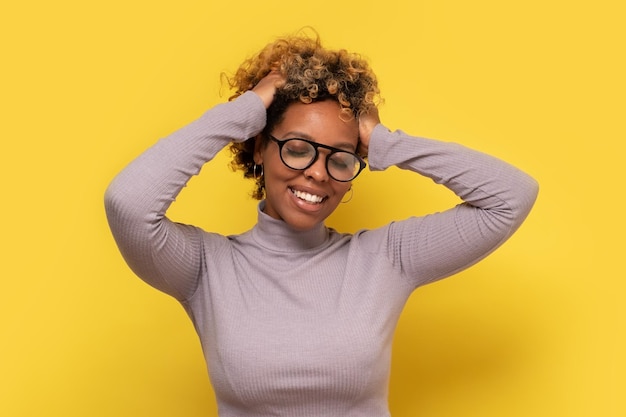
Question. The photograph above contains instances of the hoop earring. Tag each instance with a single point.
(255, 174)
(351, 195)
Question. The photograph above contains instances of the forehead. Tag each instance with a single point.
(320, 121)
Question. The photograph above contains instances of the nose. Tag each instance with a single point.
(317, 170)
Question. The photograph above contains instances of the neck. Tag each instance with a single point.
(277, 235)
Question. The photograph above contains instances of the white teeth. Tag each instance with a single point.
(308, 197)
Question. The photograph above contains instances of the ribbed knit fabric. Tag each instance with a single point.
(300, 324)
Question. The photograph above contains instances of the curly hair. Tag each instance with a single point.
(312, 73)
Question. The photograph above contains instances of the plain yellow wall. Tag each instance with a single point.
(537, 329)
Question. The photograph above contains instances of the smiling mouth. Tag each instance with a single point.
(309, 198)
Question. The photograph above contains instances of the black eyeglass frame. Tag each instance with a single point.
(315, 145)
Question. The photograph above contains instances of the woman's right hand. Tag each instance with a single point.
(266, 88)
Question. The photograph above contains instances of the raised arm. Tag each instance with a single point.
(497, 198)
(165, 254)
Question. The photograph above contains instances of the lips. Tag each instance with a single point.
(308, 197)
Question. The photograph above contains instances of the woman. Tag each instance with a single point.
(296, 319)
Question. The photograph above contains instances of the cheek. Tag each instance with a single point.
(267, 159)
(341, 188)
(275, 170)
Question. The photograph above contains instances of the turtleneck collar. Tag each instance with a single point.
(277, 235)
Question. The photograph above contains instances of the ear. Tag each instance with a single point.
(258, 149)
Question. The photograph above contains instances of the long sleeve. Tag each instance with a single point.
(496, 196)
(165, 254)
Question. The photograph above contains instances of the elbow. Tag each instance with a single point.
(112, 203)
(117, 204)
(527, 191)
(111, 197)
(531, 192)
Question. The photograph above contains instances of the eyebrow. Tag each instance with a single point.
(302, 135)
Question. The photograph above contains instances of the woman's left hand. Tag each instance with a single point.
(367, 123)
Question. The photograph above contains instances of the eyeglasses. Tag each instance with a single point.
(297, 153)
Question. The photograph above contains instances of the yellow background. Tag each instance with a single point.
(537, 329)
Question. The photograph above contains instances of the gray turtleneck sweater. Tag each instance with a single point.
(300, 324)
